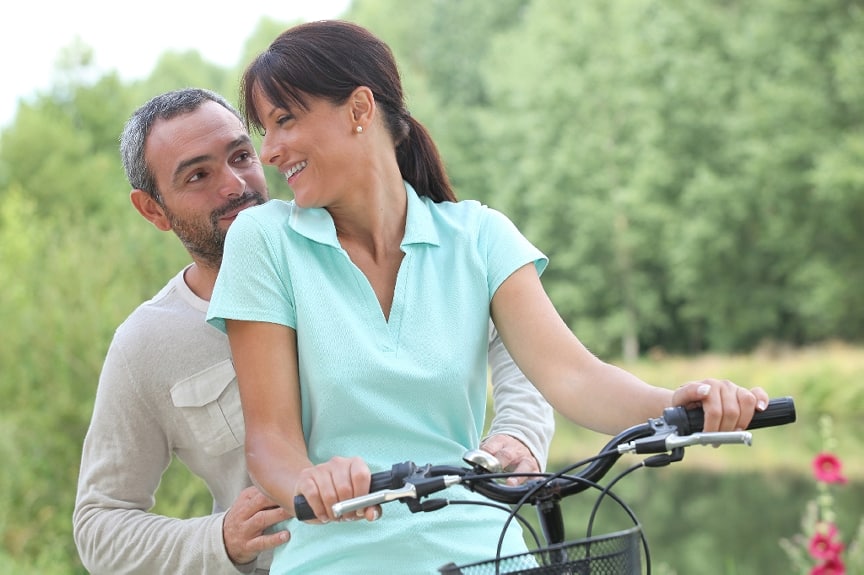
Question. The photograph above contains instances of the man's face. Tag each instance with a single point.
(207, 171)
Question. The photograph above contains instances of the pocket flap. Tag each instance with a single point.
(204, 387)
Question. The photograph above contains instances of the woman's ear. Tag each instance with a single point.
(150, 209)
(362, 106)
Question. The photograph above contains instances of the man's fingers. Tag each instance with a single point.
(525, 465)
(509, 451)
(513, 455)
(270, 540)
(267, 518)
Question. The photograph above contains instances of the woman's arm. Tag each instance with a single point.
(265, 359)
(585, 389)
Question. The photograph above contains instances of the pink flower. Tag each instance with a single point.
(823, 544)
(827, 468)
(830, 567)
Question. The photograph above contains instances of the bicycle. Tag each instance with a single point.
(618, 553)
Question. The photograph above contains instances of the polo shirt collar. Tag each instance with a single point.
(317, 225)
(419, 228)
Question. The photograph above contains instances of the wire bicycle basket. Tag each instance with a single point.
(617, 553)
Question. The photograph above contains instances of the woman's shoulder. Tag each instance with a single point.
(270, 208)
(471, 214)
(271, 213)
(460, 211)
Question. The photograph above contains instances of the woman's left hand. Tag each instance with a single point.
(727, 406)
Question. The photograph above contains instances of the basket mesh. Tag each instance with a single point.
(616, 553)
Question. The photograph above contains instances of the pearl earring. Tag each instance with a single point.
(359, 129)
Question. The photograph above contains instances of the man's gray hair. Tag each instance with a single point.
(162, 107)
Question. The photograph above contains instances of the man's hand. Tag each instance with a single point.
(513, 455)
(244, 524)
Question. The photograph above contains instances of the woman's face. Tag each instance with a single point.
(316, 149)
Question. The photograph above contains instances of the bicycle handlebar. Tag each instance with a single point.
(675, 429)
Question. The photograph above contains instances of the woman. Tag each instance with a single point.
(383, 285)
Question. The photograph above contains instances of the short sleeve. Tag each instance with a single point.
(506, 249)
(253, 282)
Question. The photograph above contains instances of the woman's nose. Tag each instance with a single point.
(269, 150)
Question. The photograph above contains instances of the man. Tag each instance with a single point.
(168, 385)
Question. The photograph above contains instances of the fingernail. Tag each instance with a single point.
(375, 514)
(359, 513)
(704, 389)
(761, 405)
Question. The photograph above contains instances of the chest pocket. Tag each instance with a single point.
(210, 403)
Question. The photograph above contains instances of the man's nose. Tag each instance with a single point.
(232, 184)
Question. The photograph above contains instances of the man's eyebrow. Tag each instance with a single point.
(243, 140)
(182, 166)
(238, 142)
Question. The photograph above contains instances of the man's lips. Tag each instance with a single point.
(231, 214)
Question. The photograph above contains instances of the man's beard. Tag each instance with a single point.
(204, 239)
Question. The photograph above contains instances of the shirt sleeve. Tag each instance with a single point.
(506, 249)
(520, 410)
(124, 456)
(253, 282)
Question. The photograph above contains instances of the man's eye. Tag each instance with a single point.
(196, 177)
(244, 159)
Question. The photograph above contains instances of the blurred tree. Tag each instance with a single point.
(746, 267)
(60, 149)
(578, 163)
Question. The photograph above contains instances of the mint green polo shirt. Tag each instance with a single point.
(409, 388)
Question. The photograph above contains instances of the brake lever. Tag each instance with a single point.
(414, 488)
(361, 502)
(672, 441)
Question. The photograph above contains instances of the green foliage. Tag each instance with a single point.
(579, 163)
(692, 169)
(62, 320)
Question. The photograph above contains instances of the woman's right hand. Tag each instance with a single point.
(336, 480)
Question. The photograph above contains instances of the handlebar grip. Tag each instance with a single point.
(302, 511)
(392, 479)
(780, 411)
